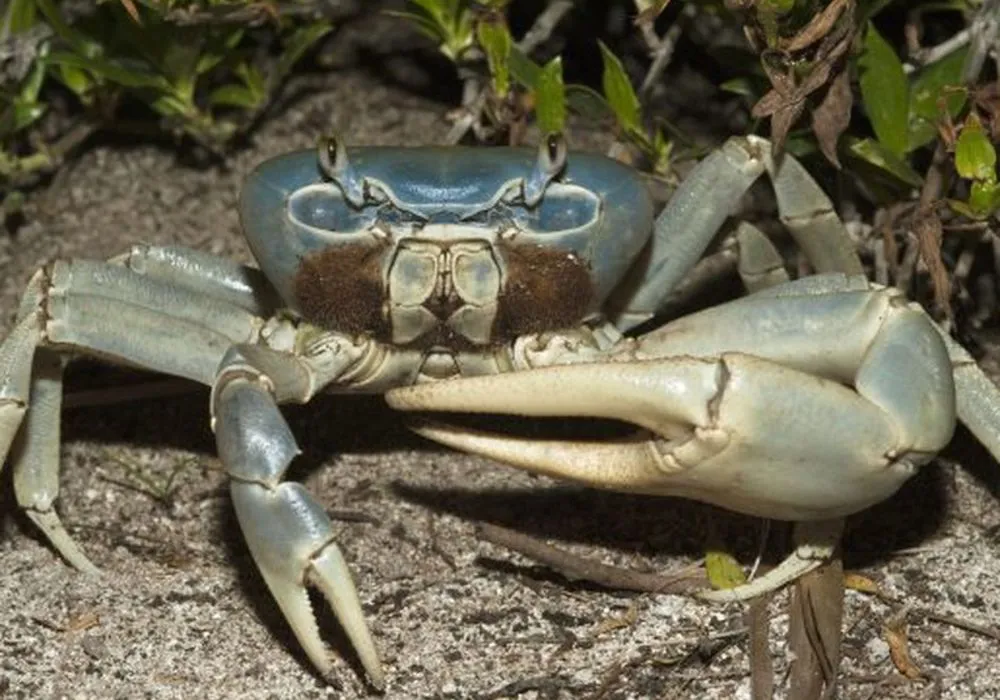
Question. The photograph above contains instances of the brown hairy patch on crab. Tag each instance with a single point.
(545, 289)
(340, 288)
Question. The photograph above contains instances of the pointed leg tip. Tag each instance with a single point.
(330, 573)
(51, 526)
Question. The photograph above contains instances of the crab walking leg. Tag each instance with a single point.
(220, 279)
(108, 311)
(977, 396)
(703, 202)
(16, 355)
(760, 265)
(288, 532)
(35, 456)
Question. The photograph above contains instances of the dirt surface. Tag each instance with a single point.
(181, 611)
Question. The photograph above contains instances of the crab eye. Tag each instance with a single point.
(334, 165)
(551, 161)
(332, 156)
(555, 146)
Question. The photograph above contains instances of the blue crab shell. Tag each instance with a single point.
(597, 212)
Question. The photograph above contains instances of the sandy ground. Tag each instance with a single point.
(181, 611)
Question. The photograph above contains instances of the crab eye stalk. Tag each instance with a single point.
(551, 161)
(335, 166)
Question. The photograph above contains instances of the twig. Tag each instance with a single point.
(544, 25)
(254, 14)
(577, 568)
(966, 625)
(985, 28)
(47, 158)
(761, 664)
(933, 54)
(662, 48)
(475, 92)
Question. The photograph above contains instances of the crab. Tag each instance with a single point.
(508, 281)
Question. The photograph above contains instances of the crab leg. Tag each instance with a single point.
(288, 532)
(106, 310)
(760, 265)
(214, 277)
(723, 426)
(703, 202)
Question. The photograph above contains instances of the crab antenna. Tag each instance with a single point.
(551, 161)
(334, 164)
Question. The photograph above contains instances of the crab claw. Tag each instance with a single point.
(288, 532)
(663, 397)
(734, 430)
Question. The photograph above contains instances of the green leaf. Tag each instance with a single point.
(550, 107)
(975, 157)
(523, 69)
(778, 7)
(619, 92)
(32, 86)
(75, 79)
(744, 87)
(874, 153)
(116, 72)
(79, 42)
(446, 21)
(179, 59)
(253, 80)
(937, 85)
(587, 102)
(26, 113)
(170, 106)
(424, 24)
(495, 39)
(723, 570)
(19, 16)
(298, 43)
(234, 96)
(884, 92)
(215, 51)
(984, 198)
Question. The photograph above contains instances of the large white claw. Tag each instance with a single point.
(735, 430)
(666, 397)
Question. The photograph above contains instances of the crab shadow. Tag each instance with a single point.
(653, 526)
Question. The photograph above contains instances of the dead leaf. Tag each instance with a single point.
(894, 630)
(835, 31)
(818, 27)
(83, 621)
(862, 584)
(617, 622)
(927, 227)
(130, 8)
(761, 663)
(815, 627)
(833, 116)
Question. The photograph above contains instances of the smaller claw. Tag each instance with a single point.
(288, 532)
(290, 538)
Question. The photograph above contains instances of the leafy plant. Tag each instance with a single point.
(192, 66)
